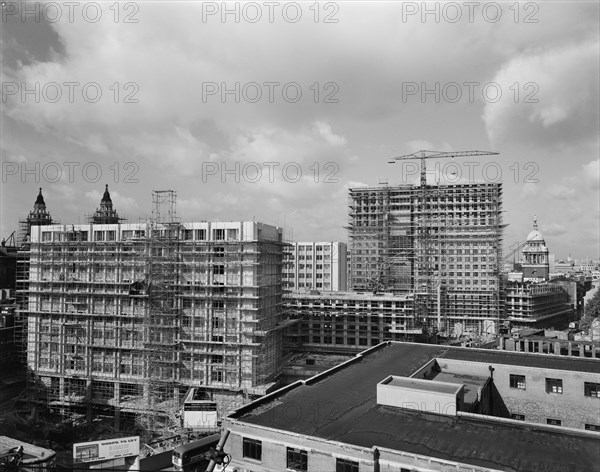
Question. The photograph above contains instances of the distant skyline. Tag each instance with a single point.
(283, 91)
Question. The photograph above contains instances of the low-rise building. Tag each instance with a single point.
(348, 321)
(402, 407)
(538, 305)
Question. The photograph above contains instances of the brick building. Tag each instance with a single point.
(402, 407)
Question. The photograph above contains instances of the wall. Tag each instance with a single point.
(571, 407)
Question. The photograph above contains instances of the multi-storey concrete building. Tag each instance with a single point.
(402, 407)
(124, 318)
(538, 305)
(348, 321)
(316, 266)
(440, 240)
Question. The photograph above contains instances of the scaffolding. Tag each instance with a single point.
(124, 318)
(162, 320)
(417, 239)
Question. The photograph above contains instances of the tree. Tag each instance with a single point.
(591, 311)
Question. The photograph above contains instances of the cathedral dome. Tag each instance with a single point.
(535, 236)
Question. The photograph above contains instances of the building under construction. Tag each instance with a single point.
(123, 318)
(441, 243)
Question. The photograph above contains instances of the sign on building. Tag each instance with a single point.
(106, 449)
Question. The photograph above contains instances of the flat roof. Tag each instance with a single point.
(423, 385)
(525, 359)
(339, 295)
(347, 402)
(471, 383)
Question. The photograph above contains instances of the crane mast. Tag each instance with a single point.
(423, 278)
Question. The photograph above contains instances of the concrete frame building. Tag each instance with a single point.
(402, 407)
(444, 241)
(538, 305)
(123, 318)
(316, 266)
(347, 321)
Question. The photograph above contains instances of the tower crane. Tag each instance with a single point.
(423, 276)
(423, 155)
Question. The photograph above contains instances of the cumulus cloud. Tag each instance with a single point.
(157, 110)
(591, 174)
(555, 229)
(549, 96)
(324, 130)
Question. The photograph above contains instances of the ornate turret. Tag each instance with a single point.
(105, 214)
(536, 263)
(39, 215)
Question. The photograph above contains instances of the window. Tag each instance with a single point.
(345, 465)
(554, 386)
(252, 448)
(553, 422)
(297, 459)
(516, 416)
(517, 381)
(592, 427)
(591, 389)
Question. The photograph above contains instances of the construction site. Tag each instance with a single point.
(441, 243)
(120, 320)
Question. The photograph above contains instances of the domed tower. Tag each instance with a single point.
(105, 214)
(536, 263)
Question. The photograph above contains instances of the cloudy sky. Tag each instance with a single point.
(270, 111)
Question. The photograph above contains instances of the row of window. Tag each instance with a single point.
(317, 257)
(309, 248)
(318, 285)
(296, 459)
(590, 389)
(555, 422)
(110, 235)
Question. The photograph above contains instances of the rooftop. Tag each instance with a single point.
(423, 385)
(347, 398)
(320, 295)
